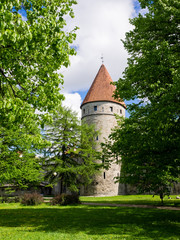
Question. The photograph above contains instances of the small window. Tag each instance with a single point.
(111, 109)
(97, 138)
(102, 109)
(104, 175)
(120, 111)
(84, 111)
(95, 108)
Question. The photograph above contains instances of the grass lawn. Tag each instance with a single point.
(86, 222)
(134, 199)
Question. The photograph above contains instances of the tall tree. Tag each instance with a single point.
(33, 46)
(71, 158)
(31, 52)
(149, 141)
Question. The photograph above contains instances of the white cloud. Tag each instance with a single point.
(73, 101)
(144, 11)
(102, 24)
(24, 18)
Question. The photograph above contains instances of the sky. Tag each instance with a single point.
(102, 24)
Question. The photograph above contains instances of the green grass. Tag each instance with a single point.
(87, 222)
(134, 199)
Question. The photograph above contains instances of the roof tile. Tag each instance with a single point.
(101, 88)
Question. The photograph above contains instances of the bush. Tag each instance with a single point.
(31, 199)
(65, 199)
(7, 199)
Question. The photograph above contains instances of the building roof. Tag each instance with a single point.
(102, 89)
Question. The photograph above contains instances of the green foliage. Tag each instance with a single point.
(31, 199)
(149, 141)
(65, 199)
(19, 166)
(71, 158)
(32, 50)
(6, 199)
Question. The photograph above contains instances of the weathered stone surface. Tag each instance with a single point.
(102, 115)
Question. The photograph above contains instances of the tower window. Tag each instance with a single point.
(102, 109)
(97, 138)
(84, 111)
(120, 111)
(104, 175)
(95, 108)
(111, 109)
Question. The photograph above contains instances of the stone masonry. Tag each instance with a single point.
(99, 108)
(104, 120)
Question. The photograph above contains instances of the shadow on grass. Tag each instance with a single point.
(135, 223)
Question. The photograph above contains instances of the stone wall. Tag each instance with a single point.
(102, 115)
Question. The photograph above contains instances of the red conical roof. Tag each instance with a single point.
(101, 88)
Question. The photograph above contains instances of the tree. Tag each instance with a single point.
(71, 158)
(19, 165)
(149, 141)
(32, 50)
(33, 46)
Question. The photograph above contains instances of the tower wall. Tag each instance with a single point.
(102, 115)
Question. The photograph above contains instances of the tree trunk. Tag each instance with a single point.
(161, 197)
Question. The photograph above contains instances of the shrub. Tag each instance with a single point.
(57, 200)
(7, 199)
(31, 199)
(65, 199)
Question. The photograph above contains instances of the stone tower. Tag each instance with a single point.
(98, 108)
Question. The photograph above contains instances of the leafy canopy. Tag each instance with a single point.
(71, 158)
(19, 166)
(31, 52)
(33, 46)
(149, 141)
